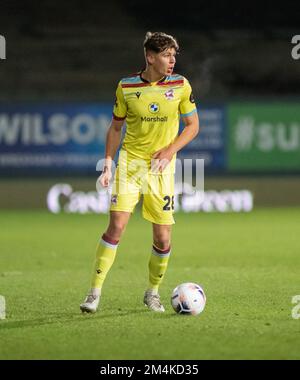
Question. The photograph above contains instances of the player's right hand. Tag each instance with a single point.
(105, 177)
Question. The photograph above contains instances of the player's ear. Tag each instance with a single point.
(150, 57)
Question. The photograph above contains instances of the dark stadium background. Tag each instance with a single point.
(59, 53)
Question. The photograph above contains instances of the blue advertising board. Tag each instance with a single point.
(210, 142)
(52, 138)
(69, 138)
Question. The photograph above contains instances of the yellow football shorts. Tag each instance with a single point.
(157, 191)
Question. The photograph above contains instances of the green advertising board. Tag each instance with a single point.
(264, 137)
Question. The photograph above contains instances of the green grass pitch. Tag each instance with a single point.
(248, 264)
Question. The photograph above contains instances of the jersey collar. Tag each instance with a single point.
(146, 81)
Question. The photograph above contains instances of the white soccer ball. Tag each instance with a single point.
(188, 298)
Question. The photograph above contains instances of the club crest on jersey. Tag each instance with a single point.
(153, 107)
(114, 199)
(169, 94)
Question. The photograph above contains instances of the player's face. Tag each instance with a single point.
(164, 62)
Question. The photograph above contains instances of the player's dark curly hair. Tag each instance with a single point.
(159, 41)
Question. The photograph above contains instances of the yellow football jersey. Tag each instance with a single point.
(152, 112)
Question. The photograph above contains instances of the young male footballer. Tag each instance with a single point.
(152, 102)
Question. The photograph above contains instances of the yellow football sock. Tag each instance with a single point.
(157, 266)
(105, 256)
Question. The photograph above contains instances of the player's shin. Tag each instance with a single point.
(105, 256)
(157, 267)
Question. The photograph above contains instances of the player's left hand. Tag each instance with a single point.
(161, 159)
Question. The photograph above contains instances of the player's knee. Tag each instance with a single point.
(116, 229)
(162, 238)
(162, 241)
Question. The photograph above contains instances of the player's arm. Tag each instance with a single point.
(114, 135)
(190, 131)
(113, 139)
(189, 116)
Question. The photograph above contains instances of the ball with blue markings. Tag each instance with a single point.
(188, 298)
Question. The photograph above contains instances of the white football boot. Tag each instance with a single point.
(90, 303)
(152, 301)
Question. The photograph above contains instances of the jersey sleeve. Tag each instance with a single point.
(120, 106)
(187, 104)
